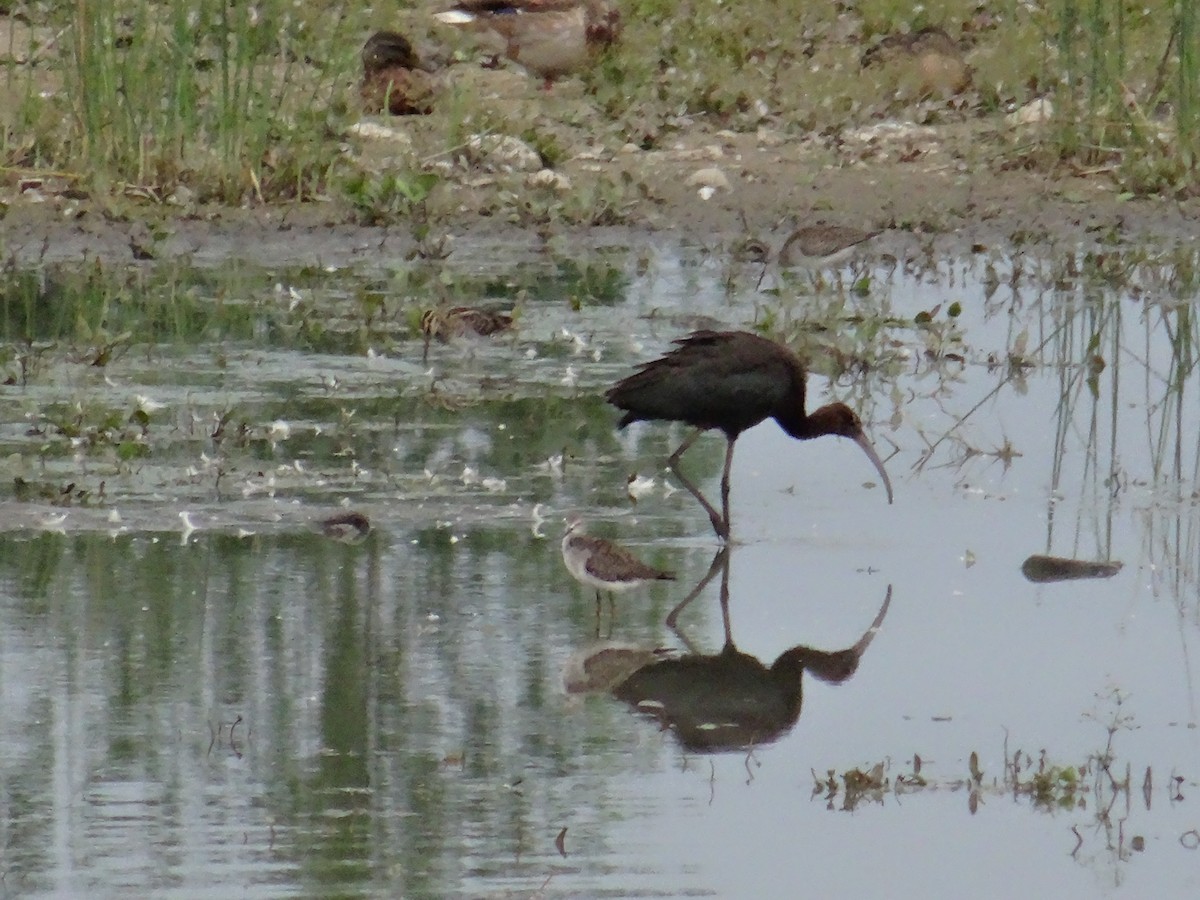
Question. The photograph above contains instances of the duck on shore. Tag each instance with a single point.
(550, 38)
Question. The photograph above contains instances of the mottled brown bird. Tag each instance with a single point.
(731, 381)
(604, 565)
(819, 246)
(348, 528)
(938, 60)
(394, 79)
(551, 38)
(444, 324)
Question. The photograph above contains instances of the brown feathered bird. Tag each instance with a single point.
(819, 246)
(394, 79)
(604, 565)
(937, 60)
(551, 38)
(457, 321)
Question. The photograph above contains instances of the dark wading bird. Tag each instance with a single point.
(731, 380)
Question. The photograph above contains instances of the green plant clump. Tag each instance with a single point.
(235, 101)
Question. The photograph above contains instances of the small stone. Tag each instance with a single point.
(548, 178)
(1035, 112)
(712, 178)
(502, 152)
(374, 131)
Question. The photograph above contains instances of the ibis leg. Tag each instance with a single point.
(720, 526)
(725, 485)
(720, 563)
(725, 600)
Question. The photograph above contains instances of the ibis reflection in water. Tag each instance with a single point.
(717, 702)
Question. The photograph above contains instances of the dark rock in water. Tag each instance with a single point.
(1058, 568)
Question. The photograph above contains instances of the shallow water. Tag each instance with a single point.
(229, 702)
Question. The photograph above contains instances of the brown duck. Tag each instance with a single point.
(394, 79)
(551, 38)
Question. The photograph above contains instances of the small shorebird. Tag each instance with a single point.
(822, 246)
(731, 381)
(347, 528)
(549, 37)
(936, 62)
(394, 80)
(457, 321)
(604, 565)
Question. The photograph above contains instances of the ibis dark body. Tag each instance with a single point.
(731, 381)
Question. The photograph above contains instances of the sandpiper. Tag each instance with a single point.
(457, 321)
(821, 246)
(604, 565)
(347, 528)
(929, 61)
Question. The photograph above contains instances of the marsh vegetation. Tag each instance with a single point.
(212, 290)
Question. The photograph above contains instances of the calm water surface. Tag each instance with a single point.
(247, 708)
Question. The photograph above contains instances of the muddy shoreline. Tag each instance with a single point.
(928, 188)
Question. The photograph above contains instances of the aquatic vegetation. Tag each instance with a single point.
(390, 197)
(190, 456)
(1100, 793)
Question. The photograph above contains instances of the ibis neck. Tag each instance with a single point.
(790, 665)
(803, 427)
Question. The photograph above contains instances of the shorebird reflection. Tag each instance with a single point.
(732, 700)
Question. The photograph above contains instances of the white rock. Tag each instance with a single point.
(374, 131)
(502, 152)
(711, 177)
(1034, 112)
(548, 178)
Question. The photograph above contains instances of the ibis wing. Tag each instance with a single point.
(726, 380)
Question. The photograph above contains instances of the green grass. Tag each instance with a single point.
(244, 103)
(1125, 91)
(235, 101)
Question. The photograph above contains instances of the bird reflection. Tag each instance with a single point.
(730, 700)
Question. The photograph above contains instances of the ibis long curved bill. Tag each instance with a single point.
(868, 449)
